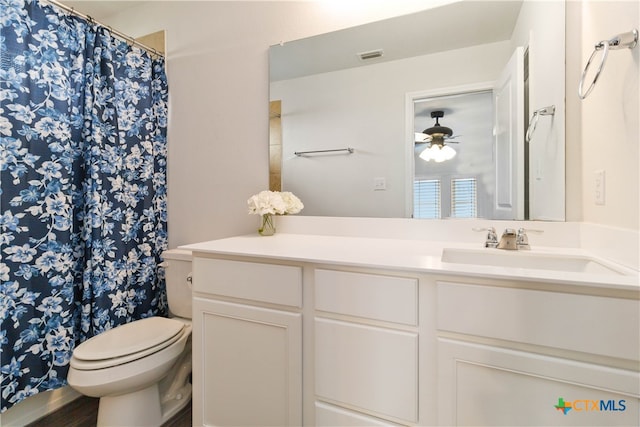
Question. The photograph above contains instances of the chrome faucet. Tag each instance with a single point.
(508, 240)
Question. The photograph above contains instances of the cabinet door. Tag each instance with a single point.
(369, 368)
(247, 365)
(484, 385)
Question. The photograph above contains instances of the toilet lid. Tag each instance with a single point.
(128, 339)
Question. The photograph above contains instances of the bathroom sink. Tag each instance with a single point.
(529, 260)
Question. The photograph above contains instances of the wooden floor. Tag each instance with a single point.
(83, 412)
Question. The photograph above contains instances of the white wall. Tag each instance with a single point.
(609, 116)
(364, 108)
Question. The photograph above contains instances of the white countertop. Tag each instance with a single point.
(407, 255)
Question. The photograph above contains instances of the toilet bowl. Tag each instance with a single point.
(141, 370)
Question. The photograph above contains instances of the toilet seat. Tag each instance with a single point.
(127, 343)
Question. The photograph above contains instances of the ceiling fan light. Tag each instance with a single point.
(429, 153)
(448, 152)
(438, 153)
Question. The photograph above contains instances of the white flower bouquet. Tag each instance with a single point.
(269, 203)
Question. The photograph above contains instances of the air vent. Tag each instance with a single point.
(372, 54)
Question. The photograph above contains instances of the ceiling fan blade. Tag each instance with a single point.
(422, 138)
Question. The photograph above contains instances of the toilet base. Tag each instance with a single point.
(175, 388)
(124, 410)
(151, 406)
(172, 407)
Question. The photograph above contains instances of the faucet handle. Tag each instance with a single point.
(492, 237)
(524, 231)
(522, 240)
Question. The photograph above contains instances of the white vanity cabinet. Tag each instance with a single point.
(511, 355)
(247, 343)
(304, 330)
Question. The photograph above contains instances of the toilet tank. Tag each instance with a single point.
(177, 267)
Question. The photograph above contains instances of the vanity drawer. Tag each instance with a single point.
(330, 415)
(585, 323)
(371, 296)
(270, 283)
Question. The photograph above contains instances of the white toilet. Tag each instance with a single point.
(141, 370)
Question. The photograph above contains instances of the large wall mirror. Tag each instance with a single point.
(349, 108)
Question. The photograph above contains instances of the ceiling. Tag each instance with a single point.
(98, 9)
(452, 26)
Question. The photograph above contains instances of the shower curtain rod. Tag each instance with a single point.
(117, 33)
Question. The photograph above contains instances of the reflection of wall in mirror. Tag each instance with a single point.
(541, 27)
(364, 108)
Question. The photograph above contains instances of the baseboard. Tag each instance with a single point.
(37, 406)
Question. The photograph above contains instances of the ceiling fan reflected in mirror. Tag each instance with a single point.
(436, 135)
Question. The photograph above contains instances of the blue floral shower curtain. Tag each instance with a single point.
(83, 121)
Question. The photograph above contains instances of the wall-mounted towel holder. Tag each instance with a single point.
(546, 111)
(304, 153)
(627, 40)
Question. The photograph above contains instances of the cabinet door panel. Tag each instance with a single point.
(483, 385)
(247, 365)
(370, 368)
(586, 323)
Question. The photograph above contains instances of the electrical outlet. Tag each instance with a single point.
(379, 184)
(599, 187)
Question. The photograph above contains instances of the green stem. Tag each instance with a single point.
(268, 226)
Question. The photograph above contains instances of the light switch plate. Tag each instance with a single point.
(599, 187)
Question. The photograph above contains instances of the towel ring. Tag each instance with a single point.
(546, 111)
(604, 45)
(624, 40)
